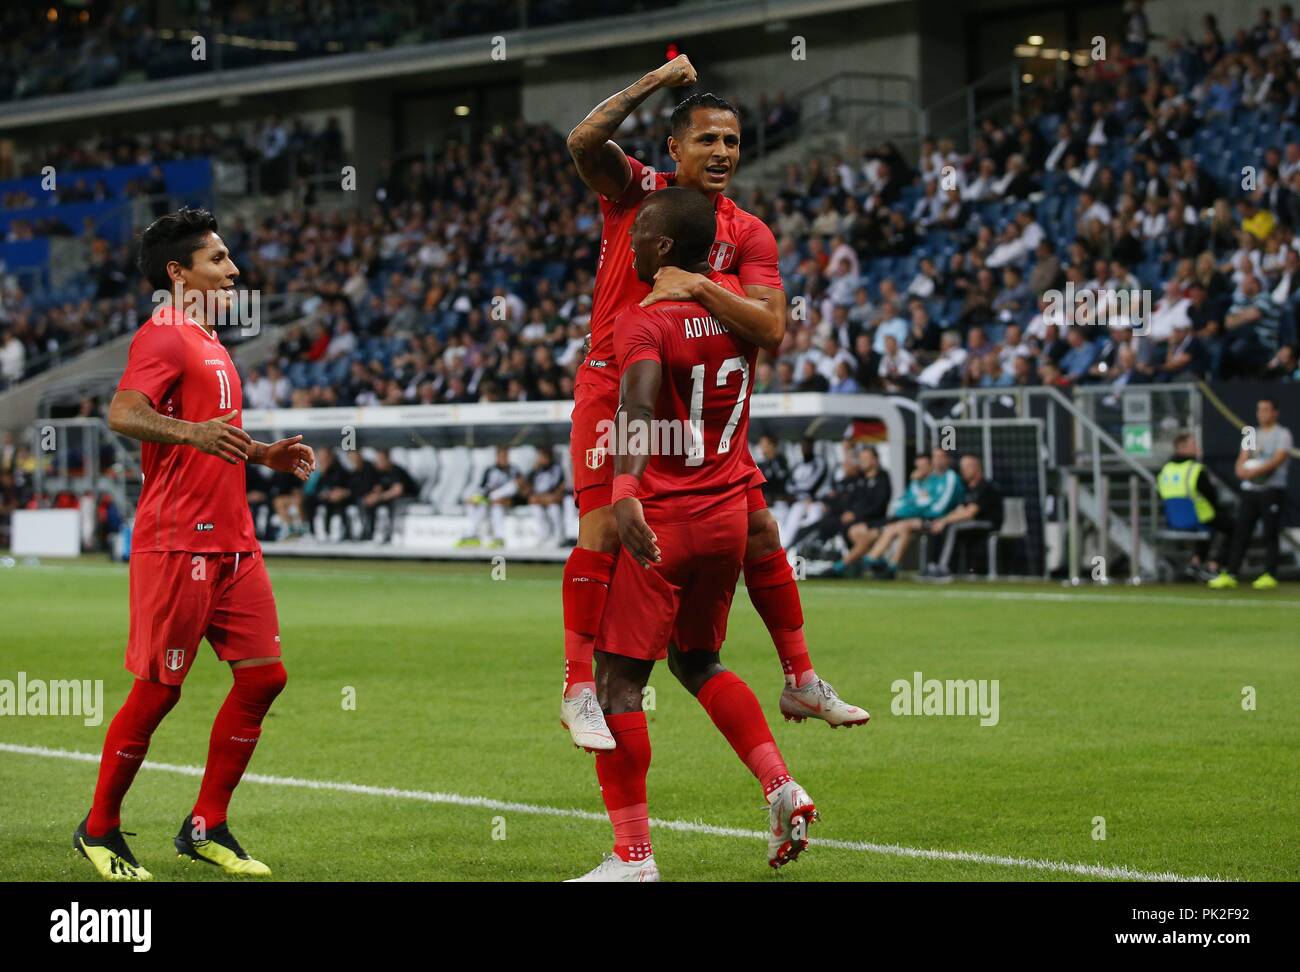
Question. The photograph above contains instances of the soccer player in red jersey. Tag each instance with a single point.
(196, 566)
(682, 476)
(705, 143)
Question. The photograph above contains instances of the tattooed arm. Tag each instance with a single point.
(133, 415)
(601, 163)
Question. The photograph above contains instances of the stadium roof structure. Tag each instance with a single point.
(522, 46)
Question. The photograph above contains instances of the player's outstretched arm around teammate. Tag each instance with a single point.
(758, 317)
(601, 163)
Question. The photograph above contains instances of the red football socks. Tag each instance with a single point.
(234, 737)
(735, 711)
(772, 588)
(586, 585)
(622, 772)
(125, 745)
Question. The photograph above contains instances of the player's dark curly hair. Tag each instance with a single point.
(686, 217)
(172, 237)
(681, 117)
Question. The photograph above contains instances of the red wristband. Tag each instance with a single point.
(625, 485)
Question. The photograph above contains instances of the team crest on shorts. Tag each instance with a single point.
(174, 659)
(721, 254)
(595, 458)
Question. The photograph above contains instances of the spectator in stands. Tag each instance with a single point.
(857, 508)
(1137, 31)
(923, 335)
(381, 486)
(257, 488)
(1185, 357)
(495, 493)
(547, 493)
(327, 494)
(933, 491)
(1250, 330)
(808, 480)
(1080, 356)
(810, 379)
(945, 370)
(1191, 504)
(776, 473)
(287, 504)
(898, 368)
(1262, 467)
(978, 513)
(13, 357)
(1283, 365)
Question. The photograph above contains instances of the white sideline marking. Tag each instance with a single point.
(1119, 872)
(881, 589)
(871, 590)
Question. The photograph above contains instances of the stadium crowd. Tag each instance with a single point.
(276, 152)
(46, 50)
(471, 279)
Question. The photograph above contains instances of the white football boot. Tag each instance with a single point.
(586, 723)
(614, 868)
(790, 810)
(817, 700)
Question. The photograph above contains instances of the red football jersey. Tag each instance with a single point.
(744, 249)
(190, 501)
(707, 378)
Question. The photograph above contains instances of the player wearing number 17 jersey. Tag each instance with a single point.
(682, 477)
(741, 288)
(196, 566)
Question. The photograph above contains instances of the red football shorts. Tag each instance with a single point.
(685, 598)
(595, 400)
(179, 598)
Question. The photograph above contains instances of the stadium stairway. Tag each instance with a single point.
(95, 372)
(20, 404)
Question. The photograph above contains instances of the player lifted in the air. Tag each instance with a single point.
(705, 144)
(196, 565)
(681, 476)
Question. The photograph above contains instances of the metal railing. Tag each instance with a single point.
(83, 455)
(1093, 454)
(853, 102)
(1146, 418)
(1005, 82)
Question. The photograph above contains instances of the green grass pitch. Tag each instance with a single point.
(1117, 704)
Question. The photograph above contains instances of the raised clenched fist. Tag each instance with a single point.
(677, 73)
